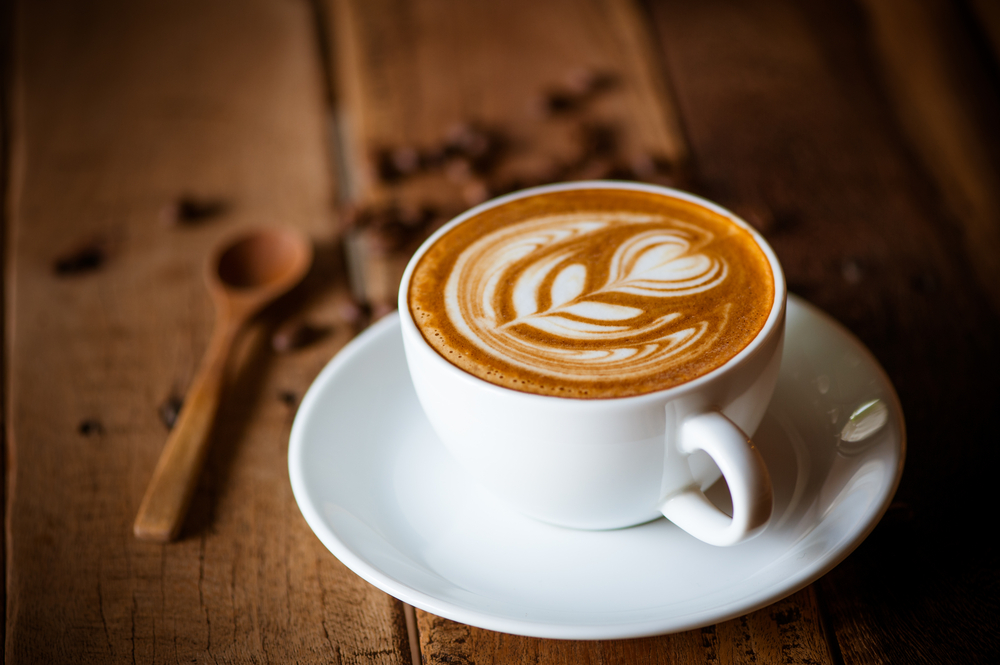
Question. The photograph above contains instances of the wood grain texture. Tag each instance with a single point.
(947, 102)
(243, 276)
(408, 73)
(786, 632)
(122, 109)
(814, 155)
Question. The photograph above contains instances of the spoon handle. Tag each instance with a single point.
(165, 503)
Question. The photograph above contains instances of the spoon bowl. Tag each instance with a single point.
(245, 273)
(261, 259)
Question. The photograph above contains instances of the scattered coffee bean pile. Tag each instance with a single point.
(394, 224)
(473, 155)
(467, 150)
(296, 334)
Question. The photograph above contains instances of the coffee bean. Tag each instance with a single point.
(466, 139)
(84, 259)
(294, 335)
(581, 86)
(386, 166)
(90, 427)
(352, 313)
(475, 192)
(482, 146)
(620, 171)
(190, 210)
(642, 166)
(433, 157)
(562, 101)
(406, 160)
(386, 237)
(415, 216)
(599, 140)
(596, 169)
(169, 411)
(369, 216)
(287, 397)
(458, 169)
(586, 82)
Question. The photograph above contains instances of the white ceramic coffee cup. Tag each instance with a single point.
(617, 462)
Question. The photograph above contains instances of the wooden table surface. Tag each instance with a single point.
(861, 137)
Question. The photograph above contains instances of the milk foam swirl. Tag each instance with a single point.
(589, 295)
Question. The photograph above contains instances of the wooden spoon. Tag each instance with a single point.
(243, 275)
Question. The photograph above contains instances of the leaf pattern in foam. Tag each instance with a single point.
(660, 263)
(569, 284)
(540, 265)
(653, 263)
(525, 295)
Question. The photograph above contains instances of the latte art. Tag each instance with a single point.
(592, 300)
(525, 293)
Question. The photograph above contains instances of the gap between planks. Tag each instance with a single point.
(344, 185)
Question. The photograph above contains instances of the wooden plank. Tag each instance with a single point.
(948, 105)
(790, 124)
(530, 80)
(787, 631)
(401, 86)
(406, 74)
(144, 133)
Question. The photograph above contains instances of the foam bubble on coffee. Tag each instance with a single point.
(592, 293)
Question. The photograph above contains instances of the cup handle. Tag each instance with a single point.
(744, 471)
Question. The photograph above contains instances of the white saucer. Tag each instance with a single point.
(383, 495)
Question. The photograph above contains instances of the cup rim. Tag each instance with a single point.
(772, 325)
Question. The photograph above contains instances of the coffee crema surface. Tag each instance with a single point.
(592, 293)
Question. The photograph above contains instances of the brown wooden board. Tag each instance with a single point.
(554, 91)
(787, 631)
(790, 122)
(143, 133)
(948, 104)
(405, 74)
